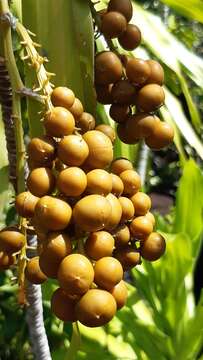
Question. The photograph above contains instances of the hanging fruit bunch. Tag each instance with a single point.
(91, 219)
(133, 86)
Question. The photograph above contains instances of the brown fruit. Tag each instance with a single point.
(127, 209)
(99, 182)
(41, 181)
(59, 122)
(122, 236)
(108, 68)
(49, 268)
(137, 70)
(121, 164)
(32, 164)
(119, 113)
(116, 213)
(142, 203)
(108, 131)
(33, 272)
(117, 185)
(100, 149)
(25, 204)
(57, 246)
(85, 122)
(75, 274)
(6, 260)
(153, 247)
(131, 38)
(42, 149)
(157, 73)
(161, 136)
(76, 109)
(151, 217)
(122, 6)
(92, 213)
(11, 240)
(99, 244)
(62, 306)
(125, 135)
(72, 181)
(141, 125)
(123, 92)
(62, 96)
(113, 24)
(96, 308)
(141, 227)
(120, 294)
(73, 150)
(107, 272)
(52, 213)
(128, 256)
(150, 97)
(104, 93)
(131, 181)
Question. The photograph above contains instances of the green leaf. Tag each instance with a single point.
(192, 9)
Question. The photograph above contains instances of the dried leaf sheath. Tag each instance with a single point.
(6, 103)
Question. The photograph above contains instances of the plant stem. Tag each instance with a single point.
(75, 342)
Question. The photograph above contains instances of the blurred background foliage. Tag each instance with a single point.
(164, 314)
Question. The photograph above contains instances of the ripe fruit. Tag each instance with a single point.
(128, 256)
(113, 24)
(73, 150)
(161, 137)
(72, 181)
(50, 269)
(141, 227)
(92, 213)
(131, 181)
(116, 212)
(33, 272)
(41, 181)
(104, 93)
(131, 38)
(59, 122)
(108, 131)
(75, 274)
(62, 306)
(125, 135)
(120, 294)
(99, 244)
(76, 109)
(153, 247)
(117, 185)
(11, 240)
(99, 182)
(123, 92)
(150, 97)
(127, 209)
(25, 204)
(119, 113)
(122, 236)
(52, 213)
(107, 272)
(151, 217)
(6, 260)
(96, 308)
(142, 203)
(120, 164)
(85, 122)
(141, 125)
(57, 246)
(122, 6)
(137, 70)
(62, 96)
(108, 68)
(156, 73)
(42, 149)
(100, 149)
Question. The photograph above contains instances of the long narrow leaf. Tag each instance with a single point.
(190, 8)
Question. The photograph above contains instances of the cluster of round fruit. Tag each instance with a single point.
(91, 220)
(132, 86)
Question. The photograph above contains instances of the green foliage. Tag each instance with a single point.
(190, 8)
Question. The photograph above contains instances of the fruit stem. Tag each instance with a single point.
(75, 342)
(36, 61)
